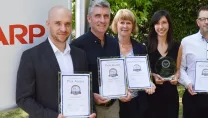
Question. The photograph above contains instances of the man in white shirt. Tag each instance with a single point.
(193, 48)
(37, 77)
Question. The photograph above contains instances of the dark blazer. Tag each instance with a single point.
(136, 108)
(37, 79)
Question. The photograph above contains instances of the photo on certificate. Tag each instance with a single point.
(138, 72)
(201, 76)
(75, 95)
(112, 77)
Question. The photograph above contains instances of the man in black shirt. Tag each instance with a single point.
(97, 44)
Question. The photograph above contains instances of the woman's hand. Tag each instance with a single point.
(151, 90)
(158, 79)
(126, 98)
(174, 81)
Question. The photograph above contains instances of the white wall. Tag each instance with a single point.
(24, 12)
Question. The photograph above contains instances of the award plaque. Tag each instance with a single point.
(75, 95)
(138, 72)
(112, 77)
(165, 67)
(201, 76)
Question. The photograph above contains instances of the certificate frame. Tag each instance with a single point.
(63, 77)
(138, 67)
(201, 76)
(102, 87)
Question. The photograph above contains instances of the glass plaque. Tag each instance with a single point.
(165, 67)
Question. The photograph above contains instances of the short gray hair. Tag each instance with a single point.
(98, 3)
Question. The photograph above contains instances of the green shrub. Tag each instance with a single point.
(140, 8)
(183, 13)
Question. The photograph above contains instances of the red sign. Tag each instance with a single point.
(20, 37)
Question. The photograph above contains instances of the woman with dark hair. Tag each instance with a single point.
(124, 24)
(164, 103)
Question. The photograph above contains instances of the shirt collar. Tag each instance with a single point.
(97, 40)
(55, 49)
(202, 37)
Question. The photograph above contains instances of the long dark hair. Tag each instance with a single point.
(152, 37)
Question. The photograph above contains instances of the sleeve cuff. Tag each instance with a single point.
(184, 82)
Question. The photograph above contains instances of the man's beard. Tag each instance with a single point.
(57, 39)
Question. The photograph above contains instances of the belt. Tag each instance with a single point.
(108, 104)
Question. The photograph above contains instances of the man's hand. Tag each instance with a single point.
(190, 89)
(99, 99)
(93, 115)
(151, 90)
(61, 116)
(158, 79)
(126, 98)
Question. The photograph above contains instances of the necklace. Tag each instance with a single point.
(125, 45)
(125, 49)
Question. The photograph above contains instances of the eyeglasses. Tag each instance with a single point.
(203, 19)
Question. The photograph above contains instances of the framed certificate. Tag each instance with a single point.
(201, 76)
(112, 77)
(138, 72)
(74, 95)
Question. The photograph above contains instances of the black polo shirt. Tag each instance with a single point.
(93, 48)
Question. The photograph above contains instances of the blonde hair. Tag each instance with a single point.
(124, 14)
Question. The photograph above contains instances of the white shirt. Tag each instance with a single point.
(194, 47)
(64, 58)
